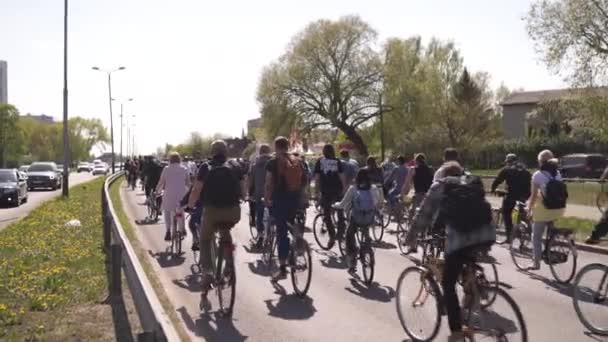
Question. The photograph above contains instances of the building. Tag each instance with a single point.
(45, 119)
(517, 106)
(3, 82)
(253, 124)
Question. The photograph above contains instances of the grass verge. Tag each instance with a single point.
(582, 227)
(52, 277)
(141, 254)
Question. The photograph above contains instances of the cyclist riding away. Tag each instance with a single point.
(257, 184)
(285, 180)
(449, 154)
(467, 215)
(421, 177)
(174, 182)
(375, 173)
(518, 180)
(396, 181)
(548, 182)
(351, 167)
(331, 184)
(220, 184)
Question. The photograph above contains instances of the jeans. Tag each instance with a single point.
(259, 216)
(538, 229)
(508, 205)
(252, 209)
(284, 208)
(454, 264)
(351, 240)
(216, 219)
(327, 200)
(195, 219)
(601, 228)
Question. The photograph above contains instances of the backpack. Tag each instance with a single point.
(363, 211)
(291, 170)
(464, 206)
(556, 194)
(423, 178)
(222, 186)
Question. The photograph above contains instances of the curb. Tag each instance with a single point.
(591, 248)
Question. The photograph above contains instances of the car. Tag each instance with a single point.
(100, 169)
(60, 168)
(44, 175)
(24, 168)
(84, 167)
(13, 187)
(583, 165)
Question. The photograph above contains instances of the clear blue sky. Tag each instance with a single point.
(193, 65)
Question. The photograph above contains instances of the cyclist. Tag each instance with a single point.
(375, 173)
(331, 184)
(518, 178)
(396, 182)
(421, 177)
(360, 201)
(286, 178)
(173, 183)
(449, 154)
(257, 185)
(462, 240)
(548, 182)
(220, 184)
(351, 167)
(601, 228)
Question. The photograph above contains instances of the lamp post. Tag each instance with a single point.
(66, 143)
(109, 72)
(122, 158)
(128, 124)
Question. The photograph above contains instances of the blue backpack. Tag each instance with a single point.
(363, 210)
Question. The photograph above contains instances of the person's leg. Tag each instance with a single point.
(507, 215)
(452, 268)
(279, 212)
(600, 230)
(253, 205)
(168, 224)
(326, 203)
(260, 207)
(351, 246)
(206, 237)
(538, 229)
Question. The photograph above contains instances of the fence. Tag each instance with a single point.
(153, 319)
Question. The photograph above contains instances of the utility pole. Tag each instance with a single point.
(381, 128)
(66, 143)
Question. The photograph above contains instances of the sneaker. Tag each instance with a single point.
(168, 236)
(533, 267)
(279, 275)
(591, 241)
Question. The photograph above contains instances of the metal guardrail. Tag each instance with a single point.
(154, 320)
(567, 180)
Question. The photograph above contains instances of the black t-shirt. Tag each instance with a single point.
(203, 171)
(272, 166)
(329, 170)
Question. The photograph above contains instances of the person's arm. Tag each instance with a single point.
(498, 180)
(161, 182)
(344, 185)
(424, 219)
(533, 197)
(195, 194)
(348, 197)
(408, 181)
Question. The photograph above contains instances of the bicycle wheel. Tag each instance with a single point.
(501, 231)
(521, 246)
(602, 200)
(378, 232)
(321, 233)
(402, 231)
(502, 321)
(301, 267)
(386, 217)
(487, 276)
(418, 303)
(589, 298)
(269, 253)
(342, 246)
(367, 263)
(561, 257)
(178, 243)
(225, 277)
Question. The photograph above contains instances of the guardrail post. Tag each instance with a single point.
(116, 260)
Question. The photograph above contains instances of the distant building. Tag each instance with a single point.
(253, 124)
(3, 82)
(45, 119)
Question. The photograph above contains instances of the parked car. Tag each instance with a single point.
(583, 165)
(24, 168)
(100, 169)
(13, 187)
(84, 167)
(44, 175)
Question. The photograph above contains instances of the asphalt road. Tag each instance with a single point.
(9, 215)
(338, 308)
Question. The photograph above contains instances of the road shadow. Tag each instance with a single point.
(192, 282)
(167, 259)
(291, 307)
(564, 289)
(260, 268)
(334, 262)
(383, 245)
(251, 249)
(147, 222)
(374, 291)
(212, 327)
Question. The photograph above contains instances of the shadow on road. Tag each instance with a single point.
(167, 259)
(334, 262)
(192, 282)
(383, 245)
(251, 249)
(212, 327)
(565, 289)
(375, 291)
(291, 307)
(146, 222)
(260, 268)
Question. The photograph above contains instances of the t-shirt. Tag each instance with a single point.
(351, 167)
(272, 166)
(329, 170)
(398, 177)
(203, 171)
(175, 178)
(258, 173)
(542, 178)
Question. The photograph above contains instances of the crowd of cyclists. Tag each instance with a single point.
(448, 201)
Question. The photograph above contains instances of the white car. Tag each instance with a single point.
(100, 169)
(84, 167)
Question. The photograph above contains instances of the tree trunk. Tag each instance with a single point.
(354, 137)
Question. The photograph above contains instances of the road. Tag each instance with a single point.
(35, 199)
(338, 308)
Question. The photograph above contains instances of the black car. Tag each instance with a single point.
(43, 175)
(13, 187)
(583, 165)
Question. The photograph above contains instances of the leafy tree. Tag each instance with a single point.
(572, 36)
(9, 136)
(330, 75)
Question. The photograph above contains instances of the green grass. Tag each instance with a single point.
(49, 271)
(582, 227)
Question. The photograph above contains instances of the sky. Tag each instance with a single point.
(193, 65)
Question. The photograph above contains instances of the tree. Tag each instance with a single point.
(9, 116)
(329, 76)
(572, 36)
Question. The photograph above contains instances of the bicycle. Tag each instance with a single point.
(363, 252)
(498, 219)
(558, 248)
(223, 272)
(152, 204)
(590, 297)
(299, 259)
(477, 318)
(252, 226)
(321, 232)
(601, 200)
(178, 231)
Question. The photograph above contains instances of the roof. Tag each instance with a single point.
(534, 97)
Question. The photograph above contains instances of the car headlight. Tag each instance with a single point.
(51, 177)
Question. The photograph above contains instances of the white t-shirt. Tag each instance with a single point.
(542, 178)
(175, 178)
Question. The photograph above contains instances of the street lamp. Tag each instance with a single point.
(109, 72)
(122, 161)
(65, 191)
(129, 149)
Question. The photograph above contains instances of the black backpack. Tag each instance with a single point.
(222, 186)
(464, 206)
(556, 194)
